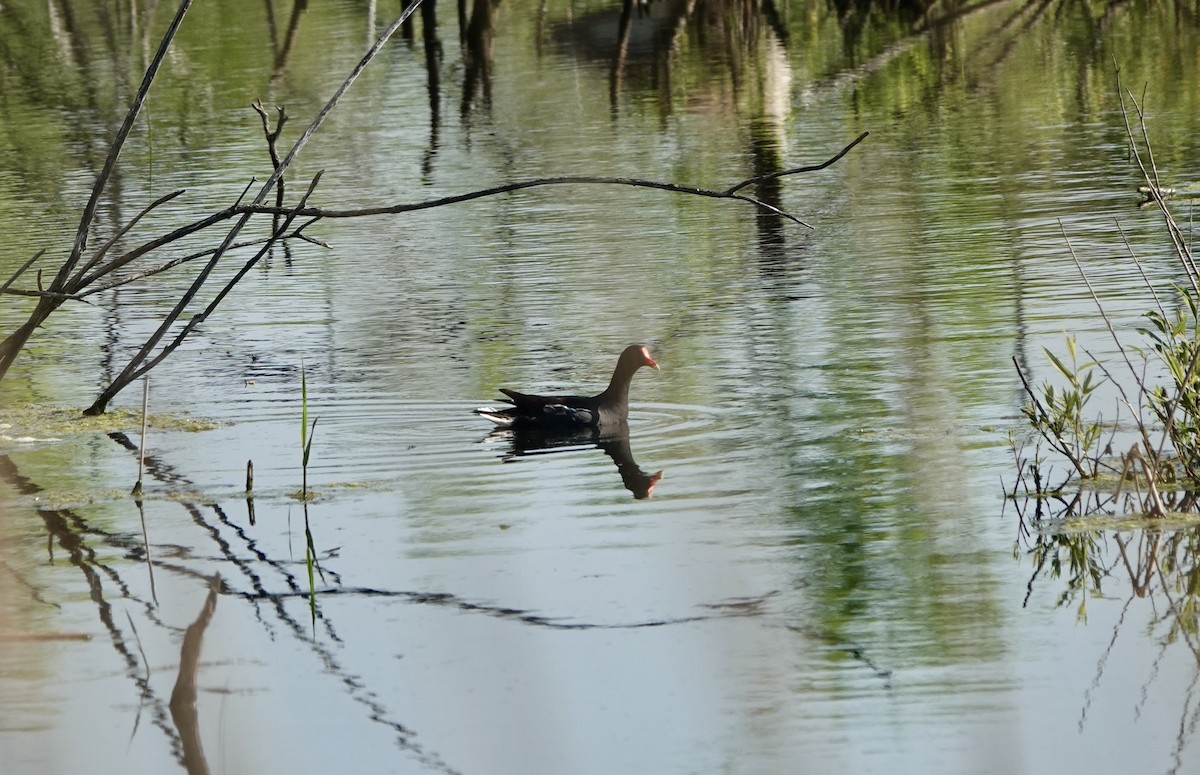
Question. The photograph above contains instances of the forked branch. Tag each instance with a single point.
(728, 193)
(77, 279)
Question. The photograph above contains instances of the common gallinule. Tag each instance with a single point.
(610, 408)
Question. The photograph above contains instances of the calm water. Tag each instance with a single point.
(827, 577)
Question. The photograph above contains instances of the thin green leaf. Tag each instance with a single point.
(308, 446)
(303, 406)
(1059, 364)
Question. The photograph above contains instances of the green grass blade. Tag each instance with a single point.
(303, 407)
(308, 446)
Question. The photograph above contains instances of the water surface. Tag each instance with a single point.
(827, 577)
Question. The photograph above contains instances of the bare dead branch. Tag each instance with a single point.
(271, 135)
(272, 138)
(118, 143)
(797, 170)
(133, 369)
(157, 242)
(42, 294)
(103, 251)
(14, 342)
(317, 212)
(313, 240)
(167, 266)
(201, 316)
(100, 287)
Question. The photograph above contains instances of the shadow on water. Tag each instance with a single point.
(526, 443)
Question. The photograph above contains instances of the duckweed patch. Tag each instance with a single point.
(31, 422)
(61, 500)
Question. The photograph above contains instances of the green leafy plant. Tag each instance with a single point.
(1175, 338)
(1059, 415)
(1160, 471)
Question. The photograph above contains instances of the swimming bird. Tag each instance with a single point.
(606, 410)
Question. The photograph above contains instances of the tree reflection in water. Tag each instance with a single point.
(1160, 562)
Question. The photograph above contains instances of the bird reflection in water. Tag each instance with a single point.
(526, 442)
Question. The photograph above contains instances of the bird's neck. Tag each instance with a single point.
(617, 391)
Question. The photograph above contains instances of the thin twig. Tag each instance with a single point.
(245, 191)
(1141, 269)
(157, 242)
(137, 488)
(1116, 340)
(1095, 299)
(797, 170)
(134, 368)
(103, 251)
(118, 143)
(271, 135)
(22, 269)
(59, 298)
(317, 212)
(1044, 415)
(200, 317)
(1152, 178)
(272, 138)
(142, 446)
(125, 280)
(93, 288)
